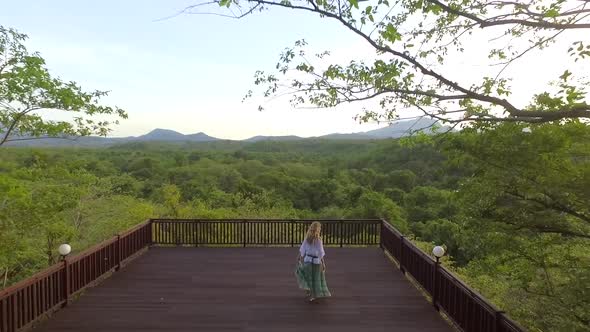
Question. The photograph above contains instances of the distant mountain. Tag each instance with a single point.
(273, 138)
(395, 130)
(162, 135)
(406, 128)
(201, 137)
(351, 136)
(166, 135)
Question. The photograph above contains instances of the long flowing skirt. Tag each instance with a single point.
(310, 277)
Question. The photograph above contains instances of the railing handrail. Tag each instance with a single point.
(17, 312)
(386, 224)
(91, 250)
(375, 221)
(28, 281)
(445, 270)
(57, 266)
(134, 228)
(453, 277)
(261, 231)
(76, 257)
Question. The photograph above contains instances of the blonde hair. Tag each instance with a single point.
(313, 232)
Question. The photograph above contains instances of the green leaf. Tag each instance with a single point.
(391, 33)
(26, 84)
(354, 3)
(552, 13)
(566, 74)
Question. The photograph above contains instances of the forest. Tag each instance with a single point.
(509, 204)
(505, 190)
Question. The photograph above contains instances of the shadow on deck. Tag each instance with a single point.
(249, 289)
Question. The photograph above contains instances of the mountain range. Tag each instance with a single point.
(396, 130)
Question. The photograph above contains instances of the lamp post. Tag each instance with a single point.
(438, 252)
(64, 250)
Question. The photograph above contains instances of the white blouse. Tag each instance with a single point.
(316, 249)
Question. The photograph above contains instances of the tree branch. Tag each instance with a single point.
(15, 121)
(546, 230)
(511, 113)
(521, 54)
(386, 49)
(41, 137)
(555, 206)
(489, 22)
(408, 92)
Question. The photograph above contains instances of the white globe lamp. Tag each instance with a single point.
(64, 250)
(438, 252)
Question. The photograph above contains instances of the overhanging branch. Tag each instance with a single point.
(496, 22)
(455, 89)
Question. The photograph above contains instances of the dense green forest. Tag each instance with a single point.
(510, 205)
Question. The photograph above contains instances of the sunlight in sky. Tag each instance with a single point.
(189, 73)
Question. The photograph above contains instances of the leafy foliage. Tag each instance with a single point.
(507, 201)
(526, 220)
(27, 87)
(415, 41)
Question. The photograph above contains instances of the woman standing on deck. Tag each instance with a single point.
(311, 266)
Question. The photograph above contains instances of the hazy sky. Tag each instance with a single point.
(187, 73)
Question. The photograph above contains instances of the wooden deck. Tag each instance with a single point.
(249, 289)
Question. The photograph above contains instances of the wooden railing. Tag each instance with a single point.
(468, 310)
(25, 302)
(262, 232)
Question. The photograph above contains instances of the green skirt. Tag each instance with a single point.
(310, 277)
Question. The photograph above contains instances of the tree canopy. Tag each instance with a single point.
(27, 87)
(525, 219)
(415, 39)
(509, 205)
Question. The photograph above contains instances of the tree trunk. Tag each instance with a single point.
(5, 278)
(49, 251)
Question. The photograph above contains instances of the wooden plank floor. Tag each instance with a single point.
(249, 289)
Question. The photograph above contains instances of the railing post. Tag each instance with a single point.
(119, 253)
(381, 228)
(151, 233)
(14, 312)
(292, 233)
(435, 285)
(497, 325)
(341, 223)
(401, 255)
(197, 232)
(177, 232)
(66, 282)
(244, 223)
